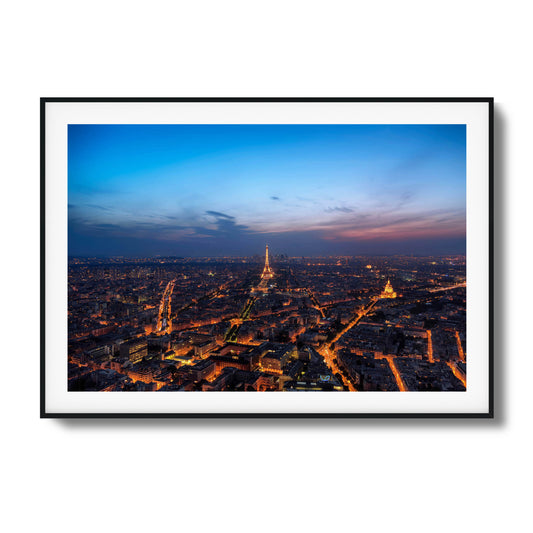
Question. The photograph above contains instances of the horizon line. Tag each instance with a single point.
(162, 256)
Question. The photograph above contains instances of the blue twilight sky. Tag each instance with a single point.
(212, 190)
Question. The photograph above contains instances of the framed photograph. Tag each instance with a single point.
(266, 257)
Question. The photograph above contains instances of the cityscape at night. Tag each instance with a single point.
(267, 258)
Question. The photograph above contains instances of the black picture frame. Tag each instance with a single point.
(45, 413)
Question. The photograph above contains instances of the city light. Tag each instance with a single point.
(322, 324)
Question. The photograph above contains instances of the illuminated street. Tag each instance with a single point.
(163, 320)
(457, 373)
(397, 377)
(430, 347)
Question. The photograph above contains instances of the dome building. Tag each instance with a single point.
(388, 291)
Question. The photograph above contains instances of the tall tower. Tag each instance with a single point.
(267, 271)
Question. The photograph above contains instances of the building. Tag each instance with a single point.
(203, 347)
(141, 374)
(388, 291)
(134, 350)
(274, 360)
(204, 369)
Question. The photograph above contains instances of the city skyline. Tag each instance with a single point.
(329, 324)
(227, 190)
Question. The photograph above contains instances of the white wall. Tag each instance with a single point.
(397, 475)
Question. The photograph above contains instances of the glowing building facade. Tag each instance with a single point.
(388, 291)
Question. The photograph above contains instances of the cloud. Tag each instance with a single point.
(225, 226)
(332, 227)
(338, 209)
(103, 208)
(167, 228)
(219, 215)
(106, 226)
(405, 198)
(387, 225)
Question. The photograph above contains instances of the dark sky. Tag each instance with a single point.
(192, 190)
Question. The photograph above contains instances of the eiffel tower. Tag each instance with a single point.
(267, 271)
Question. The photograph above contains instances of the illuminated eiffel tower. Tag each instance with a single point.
(267, 271)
